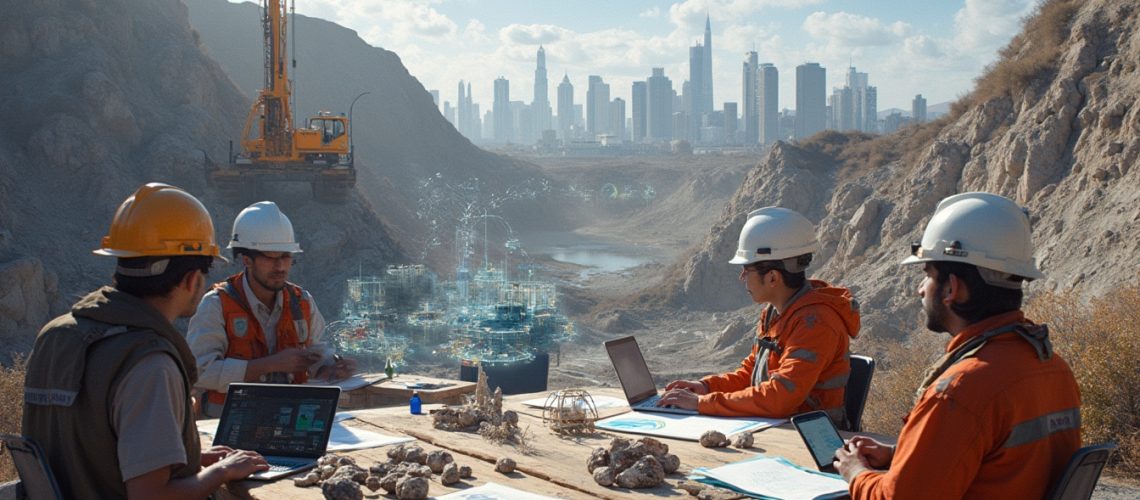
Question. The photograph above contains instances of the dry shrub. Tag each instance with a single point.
(1100, 342)
(899, 367)
(1029, 57)
(12, 393)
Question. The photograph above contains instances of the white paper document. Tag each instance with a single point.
(351, 383)
(600, 403)
(688, 427)
(492, 491)
(773, 477)
(341, 438)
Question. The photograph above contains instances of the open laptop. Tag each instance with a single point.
(635, 378)
(287, 424)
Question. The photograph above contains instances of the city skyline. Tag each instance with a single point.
(936, 49)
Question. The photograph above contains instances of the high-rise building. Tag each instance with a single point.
(659, 108)
(639, 98)
(769, 104)
(918, 109)
(434, 97)
(449, 112)
(565, 107)
(501, 108)
(541, 104)
(750, 97)
(868, 98)
(706, 80)
(597, 106)
(730, 121)
(693, 89)
(811, 99)
(617, 118)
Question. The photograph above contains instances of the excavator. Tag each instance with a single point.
(272, 149)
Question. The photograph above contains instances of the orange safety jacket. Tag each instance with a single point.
(1002, 421)
(803, 360)
(244, 337)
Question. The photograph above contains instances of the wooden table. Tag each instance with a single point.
(552, 465)
(398, 391)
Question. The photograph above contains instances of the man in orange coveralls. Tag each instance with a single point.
(999, 415)
(799, 361)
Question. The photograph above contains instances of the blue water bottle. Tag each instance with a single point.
(415, 403)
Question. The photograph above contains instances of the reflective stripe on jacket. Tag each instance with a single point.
(1000, 423)
(804, 360)
(245, 340)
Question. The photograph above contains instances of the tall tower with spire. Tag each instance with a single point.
(565, 108)
(541, 104)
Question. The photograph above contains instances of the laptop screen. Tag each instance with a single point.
(631, 369)
(277, 419)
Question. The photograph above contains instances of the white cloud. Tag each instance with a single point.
(986, 24)
(651, 12)
(532, 34)
(853, 30)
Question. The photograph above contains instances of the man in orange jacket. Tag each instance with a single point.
(800, 360)
(999, 415)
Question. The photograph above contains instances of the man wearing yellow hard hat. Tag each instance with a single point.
(108, 387)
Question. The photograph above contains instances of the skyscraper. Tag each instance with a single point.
(639, 98)
(565, 107)
(597, 106)
(707, 81)
(811, 99)
(541, 104)
(502, 111)
(434, 96)
(730, 121)
(750, 96)
(659, 109)
(769, 104)
(617, 119)
(918, 109)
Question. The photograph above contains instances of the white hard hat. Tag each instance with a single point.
(774, 233)
(986, 230)
(264, 228)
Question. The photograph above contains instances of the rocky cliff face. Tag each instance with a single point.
(99, 98)
(1060, 137)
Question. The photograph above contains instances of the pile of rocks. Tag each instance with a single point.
(632, 464)
(405, 474)
(484, 414)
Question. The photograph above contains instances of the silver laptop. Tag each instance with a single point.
(635, 378)
(287, 424)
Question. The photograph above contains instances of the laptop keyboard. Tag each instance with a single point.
(650, 402)
(278, 465)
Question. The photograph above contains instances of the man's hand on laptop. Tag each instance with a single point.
(239, 464)
(694, 386)
(679, 398)
(213, 454)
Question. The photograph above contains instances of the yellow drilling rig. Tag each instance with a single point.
(272, 150)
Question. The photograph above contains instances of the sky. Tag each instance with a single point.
(931, 47)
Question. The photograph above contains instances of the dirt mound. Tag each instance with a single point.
(1060, 136)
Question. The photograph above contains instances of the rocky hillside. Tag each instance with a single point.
(1052, 125)
(100, 97)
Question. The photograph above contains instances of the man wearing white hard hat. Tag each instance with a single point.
(256, 326)
(800, 360)
(998, 416)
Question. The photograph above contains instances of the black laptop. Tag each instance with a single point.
(287, 424)
(635, 378)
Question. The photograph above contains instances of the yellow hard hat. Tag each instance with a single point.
(161, 220)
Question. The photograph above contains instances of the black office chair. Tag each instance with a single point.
(1080, 476)
(36, 479)
(858, 386)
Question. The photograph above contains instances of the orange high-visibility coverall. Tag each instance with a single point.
(808, 369)
(1000, 424)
